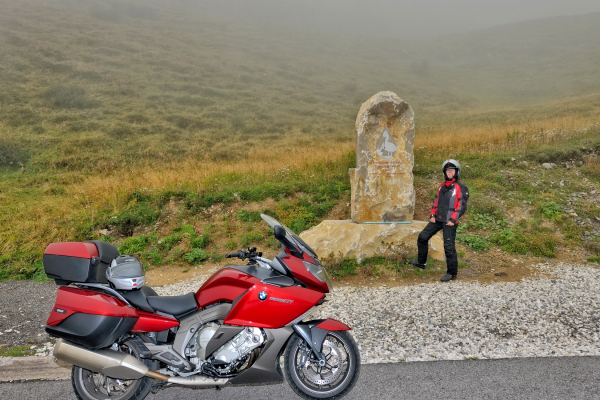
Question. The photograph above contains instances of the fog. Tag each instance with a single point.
(395, 18)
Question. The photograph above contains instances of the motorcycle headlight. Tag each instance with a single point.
(318, 271)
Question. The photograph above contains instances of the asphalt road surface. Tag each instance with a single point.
(518, 378)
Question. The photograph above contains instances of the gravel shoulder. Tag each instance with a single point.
(537, 317)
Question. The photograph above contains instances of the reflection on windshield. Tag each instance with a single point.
(289, 234)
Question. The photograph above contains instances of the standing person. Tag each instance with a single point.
(449, 205)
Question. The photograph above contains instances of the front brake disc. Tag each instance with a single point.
(324, 375)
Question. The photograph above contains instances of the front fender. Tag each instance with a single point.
(329, 324)
(314, 332)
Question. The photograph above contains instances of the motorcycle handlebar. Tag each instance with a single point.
(243, 254)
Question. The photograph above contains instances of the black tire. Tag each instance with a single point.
(89, 385)
(334, 380)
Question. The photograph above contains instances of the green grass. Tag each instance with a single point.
(378, 266)
(18, 351)
(97, 90)
(248, 216)
(498, 185)
(103, 92)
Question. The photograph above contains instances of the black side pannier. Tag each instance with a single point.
(83, 262)
(91, 330)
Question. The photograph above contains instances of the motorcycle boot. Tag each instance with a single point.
(416, 263)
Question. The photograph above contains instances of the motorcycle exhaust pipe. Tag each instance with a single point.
(122, 366)
(107, 362)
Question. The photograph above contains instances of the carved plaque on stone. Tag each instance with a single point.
(382, 182)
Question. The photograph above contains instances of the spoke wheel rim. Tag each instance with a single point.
(332, 375)
(100, 386)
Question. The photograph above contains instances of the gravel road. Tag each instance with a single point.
(538, 317)
(24, 309)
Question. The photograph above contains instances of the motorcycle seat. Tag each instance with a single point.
(174, 305)
(139, 297)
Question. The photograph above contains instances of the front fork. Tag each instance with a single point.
(314, 333)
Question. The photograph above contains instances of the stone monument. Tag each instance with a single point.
(382, 182)
(382, 194)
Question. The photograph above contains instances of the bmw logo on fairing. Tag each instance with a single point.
(262, 296)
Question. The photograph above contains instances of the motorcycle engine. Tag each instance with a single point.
(197, 346)
(234, 356)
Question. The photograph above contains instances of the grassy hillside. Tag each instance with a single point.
(112, 111)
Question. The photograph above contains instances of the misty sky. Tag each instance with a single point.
(408, 18)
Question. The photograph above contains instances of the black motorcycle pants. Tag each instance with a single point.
(449, 233)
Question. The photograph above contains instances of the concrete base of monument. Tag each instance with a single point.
(347, 239)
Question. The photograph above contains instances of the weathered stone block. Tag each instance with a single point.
(347, 239)
(382, 182)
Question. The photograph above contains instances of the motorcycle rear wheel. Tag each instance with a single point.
(332, 381)
(89, 385)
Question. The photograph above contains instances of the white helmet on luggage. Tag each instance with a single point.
(451, 164)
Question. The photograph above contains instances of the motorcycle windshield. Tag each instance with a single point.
(290, 235)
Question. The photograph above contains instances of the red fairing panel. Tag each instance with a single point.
(72, 300)
(72, 249)
(226, 285)
(333, 325)
(281, 306)
(148, 322)
(302, 274)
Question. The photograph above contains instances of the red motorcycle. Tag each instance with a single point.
(243, 326)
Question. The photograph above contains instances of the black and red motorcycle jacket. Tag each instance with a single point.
(450, 202)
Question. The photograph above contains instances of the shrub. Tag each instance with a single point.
(199, 242)
(475, 242)
(134, 245)
(551, 211)
(168, 242)
(195, 255)
(154, 256)
(504, 238)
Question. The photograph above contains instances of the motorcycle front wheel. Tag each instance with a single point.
(312, 380)
(90, 385)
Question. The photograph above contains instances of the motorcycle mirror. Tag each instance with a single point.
(279, 233)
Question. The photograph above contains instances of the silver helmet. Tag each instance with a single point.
(126, 273)
(451, 164)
